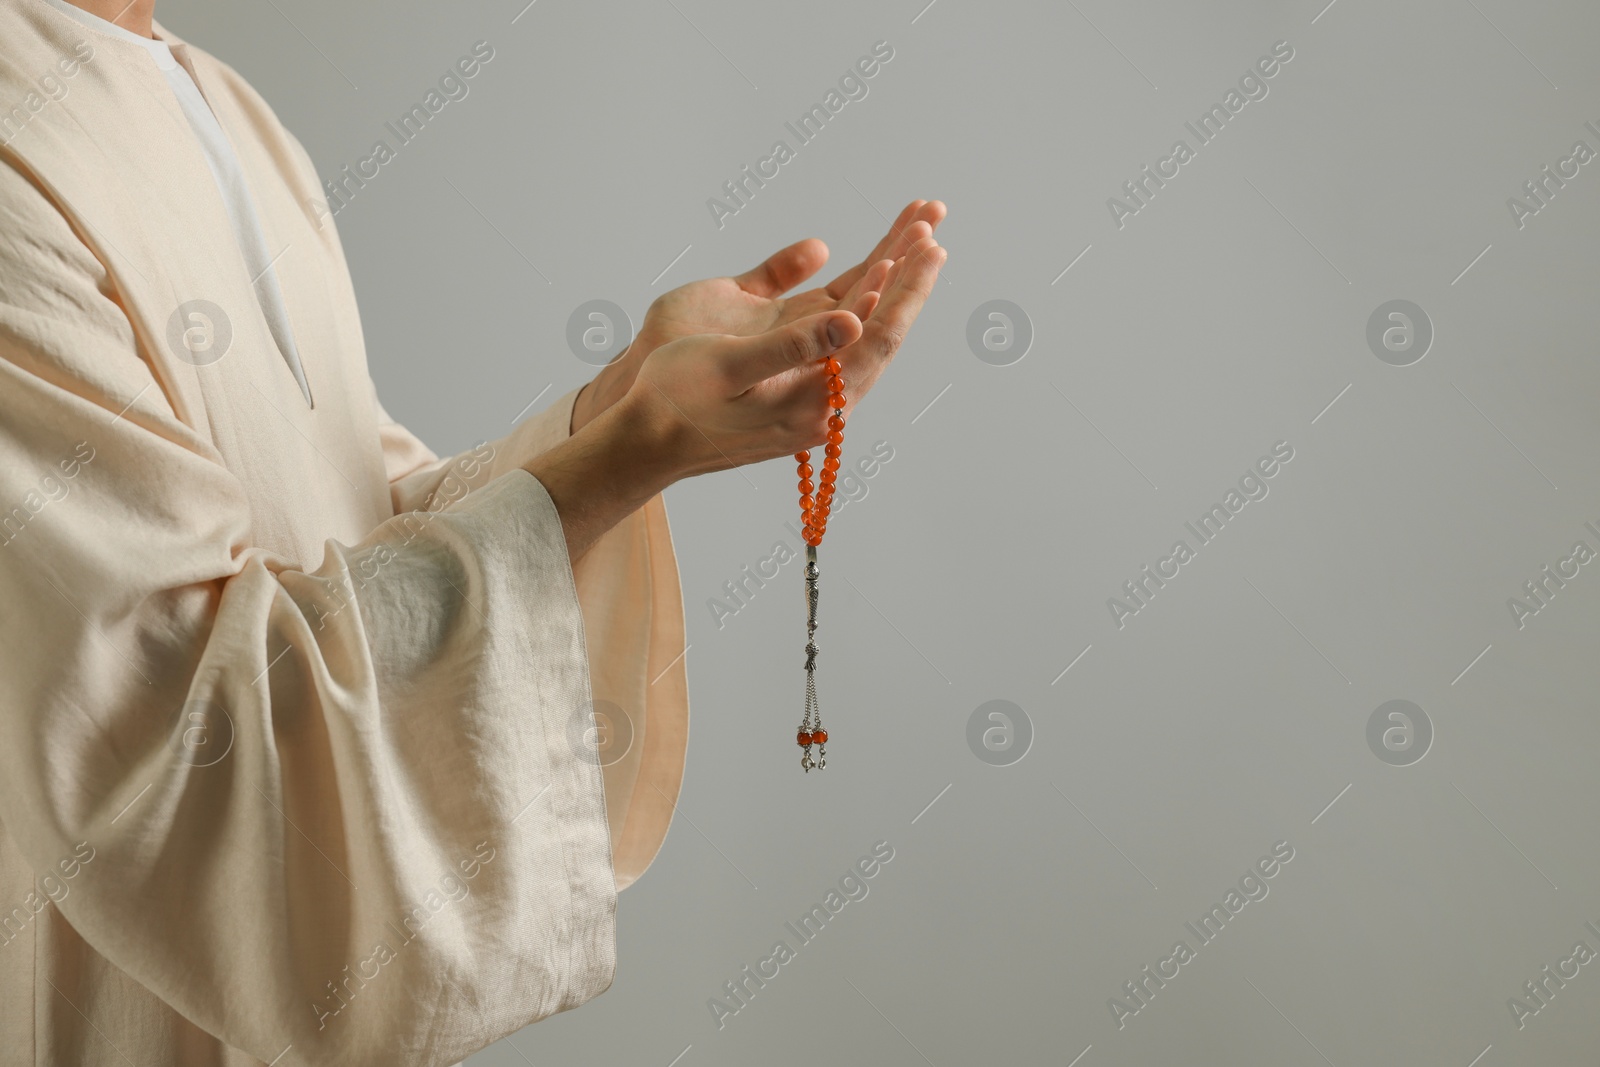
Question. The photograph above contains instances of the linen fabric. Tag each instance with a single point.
(295, 762)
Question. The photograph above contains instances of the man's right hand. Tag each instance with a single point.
(710, 402)
(729, 401)
(754, 302)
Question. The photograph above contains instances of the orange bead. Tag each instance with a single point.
(814, 507)
(803, 738)
(819, 736)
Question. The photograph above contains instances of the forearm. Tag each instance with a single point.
(609, 468)
(602, 391)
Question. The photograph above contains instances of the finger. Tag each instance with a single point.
(913, 233)
(907, 216)
(896, 244)
(813, 301)
(902, 301)
(755, 359)
(908, 253)
(864, 304)
(872, 279)
(905, 232)
(894, 274)
(784, 269)
(840, 285)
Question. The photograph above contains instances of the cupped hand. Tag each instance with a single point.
(714, 401)
(753, 302)
(720, 400)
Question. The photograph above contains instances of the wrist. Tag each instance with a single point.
(642, 442)
(608, 386)
(587, 404)
(607, 470)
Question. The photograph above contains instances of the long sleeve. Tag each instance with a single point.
(632, 603)
(332, 814)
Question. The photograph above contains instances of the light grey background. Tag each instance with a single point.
(1224, 317)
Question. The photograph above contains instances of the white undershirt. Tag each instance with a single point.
(225, 171)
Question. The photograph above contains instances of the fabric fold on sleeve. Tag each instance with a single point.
(632, 601)
(341, 808)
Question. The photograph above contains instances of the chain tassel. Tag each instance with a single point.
(811, 731)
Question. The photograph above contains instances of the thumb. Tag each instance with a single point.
(755, 359)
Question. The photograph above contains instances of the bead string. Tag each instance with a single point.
(814, 523)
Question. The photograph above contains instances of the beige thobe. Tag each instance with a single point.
(296, 758)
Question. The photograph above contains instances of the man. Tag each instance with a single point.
(293, 713)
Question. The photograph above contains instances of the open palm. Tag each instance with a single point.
(753, 302)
